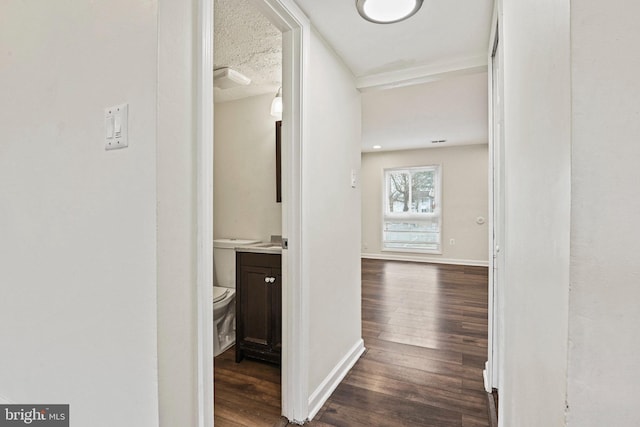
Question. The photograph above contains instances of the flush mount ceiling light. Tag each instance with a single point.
(226, 78)
(387, 11)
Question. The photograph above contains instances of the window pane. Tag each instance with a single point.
(398, 191)
(412, 213)
(420, 235)
(423, 191)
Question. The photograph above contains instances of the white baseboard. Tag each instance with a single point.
(337, 374)
(413, 258)
(485, 377)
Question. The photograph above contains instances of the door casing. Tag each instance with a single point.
(496, 203)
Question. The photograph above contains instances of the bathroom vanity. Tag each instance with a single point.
(259, 302)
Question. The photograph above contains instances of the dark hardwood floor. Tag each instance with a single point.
(246, 393)
(425, 330)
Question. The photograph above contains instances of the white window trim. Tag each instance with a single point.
(411, 216)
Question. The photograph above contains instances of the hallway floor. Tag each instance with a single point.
(425, 330)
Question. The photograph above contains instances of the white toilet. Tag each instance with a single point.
(224, 292)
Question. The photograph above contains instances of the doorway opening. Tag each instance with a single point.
(295, 29)
(424, 272)
(247, 216)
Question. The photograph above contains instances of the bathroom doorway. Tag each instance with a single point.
(247, 214)
(294, 27)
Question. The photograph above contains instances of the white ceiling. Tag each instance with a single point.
(443, 33)
(444, 44)
(409, 117)
(247, 42)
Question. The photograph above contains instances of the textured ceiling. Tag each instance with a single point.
(247, 42)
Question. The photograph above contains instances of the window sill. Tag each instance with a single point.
(413, 251)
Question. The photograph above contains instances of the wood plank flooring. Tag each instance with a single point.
(425, 330)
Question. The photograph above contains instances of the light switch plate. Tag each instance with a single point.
(116, 121)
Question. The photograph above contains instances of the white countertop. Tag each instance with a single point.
(261, 248)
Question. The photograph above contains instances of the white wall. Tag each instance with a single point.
(464, 198)
(604, 380)
(177, 296)
(331, 212)
(245, 170)
(537, 129)
(78, 227)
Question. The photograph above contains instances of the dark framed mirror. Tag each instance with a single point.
(279, 161)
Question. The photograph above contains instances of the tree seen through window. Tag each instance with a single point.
(412, 212)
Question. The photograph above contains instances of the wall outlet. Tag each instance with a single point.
(452, 242)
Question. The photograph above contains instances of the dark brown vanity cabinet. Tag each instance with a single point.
(258, 306)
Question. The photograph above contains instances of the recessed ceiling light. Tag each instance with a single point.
(377, 147)
(387, 11)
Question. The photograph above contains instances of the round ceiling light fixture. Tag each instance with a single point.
(387, 11)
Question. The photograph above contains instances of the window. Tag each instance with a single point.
(412, 213)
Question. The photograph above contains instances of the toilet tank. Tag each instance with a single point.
(224, 260)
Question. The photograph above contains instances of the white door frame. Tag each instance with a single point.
(204, 209)
(296, 29)
(296, 36)
(496, 219)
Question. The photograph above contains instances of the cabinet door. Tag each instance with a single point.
(276, 307)
(256, 303)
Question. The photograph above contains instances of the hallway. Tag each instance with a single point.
(425, 330)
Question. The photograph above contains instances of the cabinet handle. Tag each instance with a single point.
(267, 279)
(273, 279)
